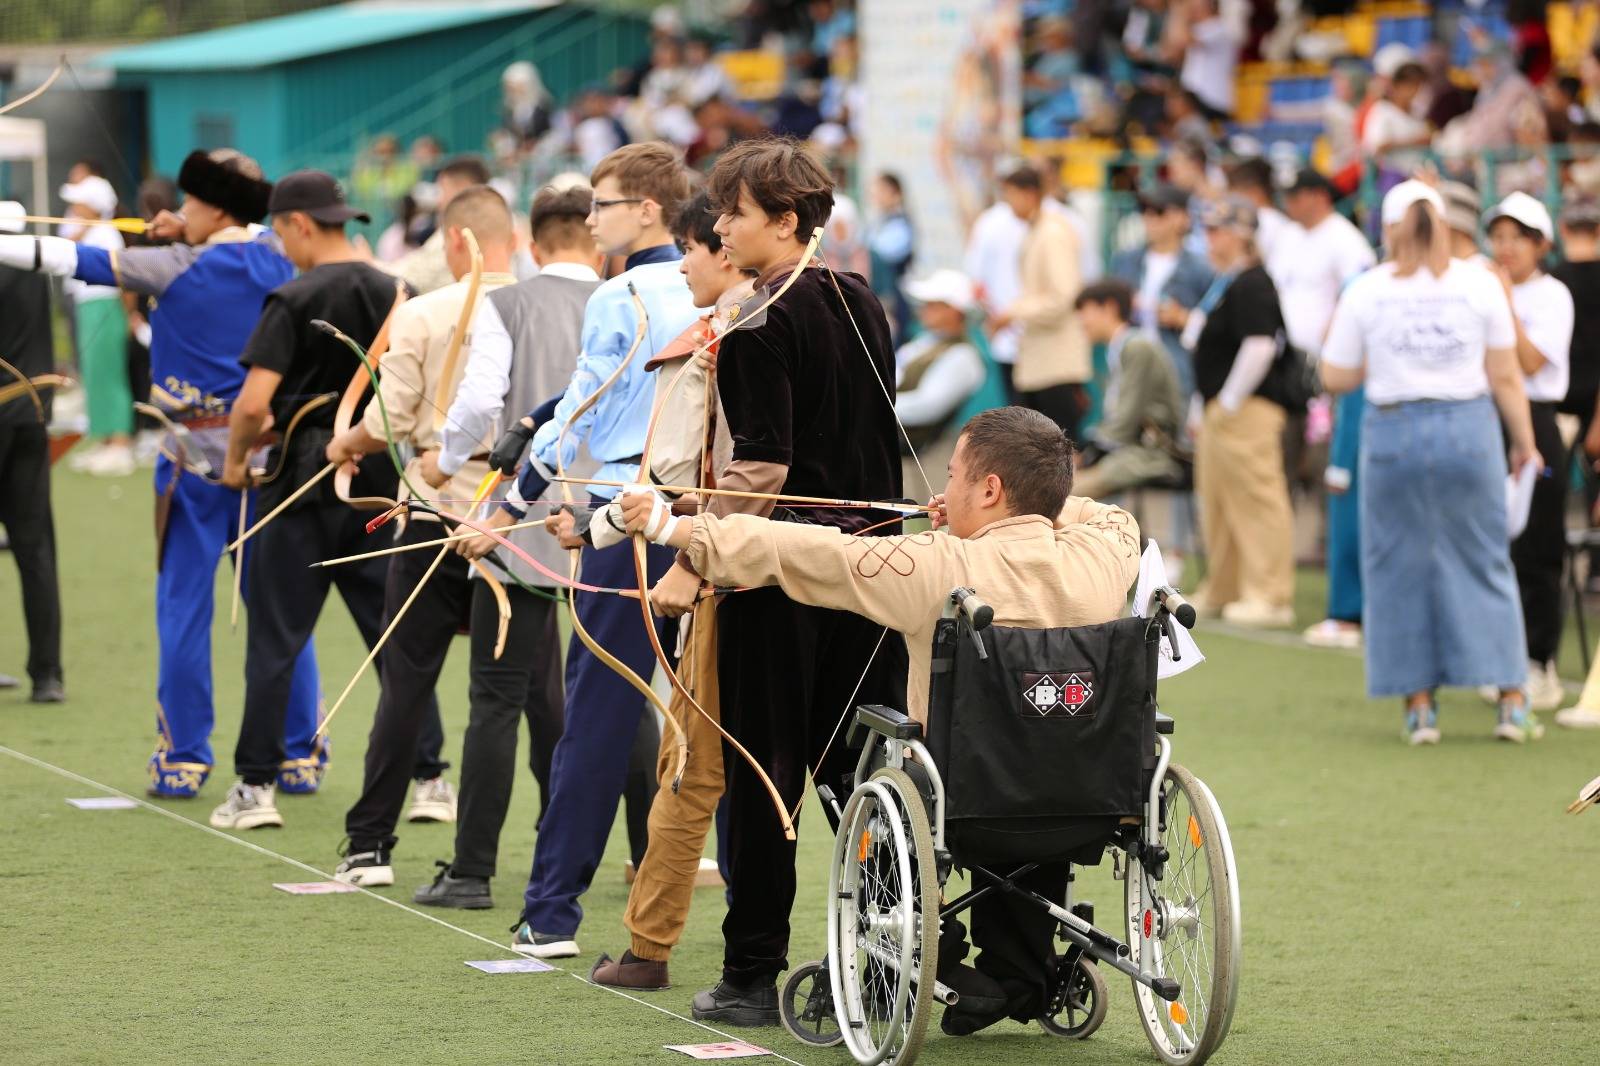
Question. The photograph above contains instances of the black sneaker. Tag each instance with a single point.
(741, 1007)
(50, 690)
(542, 945)
(369, 869)
(448, 890)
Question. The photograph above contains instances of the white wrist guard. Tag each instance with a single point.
(606, 529)
(46, 255)
(662, 522)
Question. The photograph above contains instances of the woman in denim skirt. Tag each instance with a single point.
(1433, 340)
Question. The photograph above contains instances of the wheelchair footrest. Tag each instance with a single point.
(1167, 988)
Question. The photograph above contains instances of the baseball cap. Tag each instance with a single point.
(1309, 179)
(1398, 200)
(1523, 208)
(1164, 197)
(1460, 207)
(1229, 212)
(316, 193)
(1391, 57)
(943, 286)
(92, 192)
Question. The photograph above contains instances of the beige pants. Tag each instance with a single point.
(658, 904)
(1244, 505)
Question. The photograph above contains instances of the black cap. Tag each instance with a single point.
(316, 193)
(1312, 180)
(1164, 197)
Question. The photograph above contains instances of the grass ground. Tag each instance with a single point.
(1399, 905)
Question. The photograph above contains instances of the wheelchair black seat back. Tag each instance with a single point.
(1044, 740)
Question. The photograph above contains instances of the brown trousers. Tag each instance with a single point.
(1244, 505)
(658, 904)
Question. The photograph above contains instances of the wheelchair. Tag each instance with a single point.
(1032, 770)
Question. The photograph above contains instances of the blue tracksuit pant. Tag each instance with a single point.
(590, 764)
(204, 518)
(1344, 512)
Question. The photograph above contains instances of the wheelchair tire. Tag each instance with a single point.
(1083, 1006)
(1186, 925)
(806, 1007)
(883, 934)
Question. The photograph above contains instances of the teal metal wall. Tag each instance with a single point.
(322, 110)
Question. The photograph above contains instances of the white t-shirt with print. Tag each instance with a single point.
(1543, 305)
(1421, 337)
(1314, 267)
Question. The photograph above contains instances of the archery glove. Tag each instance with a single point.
(507, 453)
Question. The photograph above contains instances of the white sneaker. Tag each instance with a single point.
(1332, 633)
(247, 807)
(1257, 615)
(113, 460)
(1578, 718)
(79, 458)
(1490, 694)
(433, 800)
(1544, 687)
(369, 869)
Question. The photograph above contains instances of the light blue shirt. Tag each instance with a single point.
(614, 428)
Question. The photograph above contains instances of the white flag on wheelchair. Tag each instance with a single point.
(1152, 575)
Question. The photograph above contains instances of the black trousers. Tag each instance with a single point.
(1062, 404)
(1539, 554)
(786, 673)
(525, 682)
(286, 598)
(1015, 939)
(408, 670)
(25, 511)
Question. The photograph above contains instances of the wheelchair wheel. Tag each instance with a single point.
(806, 1007)
(1078, 1006)
(1186, 925)
(883, 921)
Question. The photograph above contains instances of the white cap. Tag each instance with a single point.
(92, 192)
(1391, 57)
(1398, 200)
(1524, 209)
(945, 287)
(11, 215)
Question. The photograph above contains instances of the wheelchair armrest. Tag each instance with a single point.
(1164, 723)
(893, 724)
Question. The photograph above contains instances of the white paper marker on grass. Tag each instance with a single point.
(512, 966)
(735, 1050)
(103, 803)
(314, 888)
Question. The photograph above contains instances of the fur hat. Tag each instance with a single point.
(204, 178)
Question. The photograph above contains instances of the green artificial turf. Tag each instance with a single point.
(1399, 905)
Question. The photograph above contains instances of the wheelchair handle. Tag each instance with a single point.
(968, 602)
(1176, 605)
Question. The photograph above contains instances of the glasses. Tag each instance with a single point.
(601, 205)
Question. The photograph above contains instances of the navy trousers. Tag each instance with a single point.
(590, 765)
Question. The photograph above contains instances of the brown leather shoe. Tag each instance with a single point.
(630, 971)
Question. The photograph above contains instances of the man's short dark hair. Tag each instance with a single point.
(697, 221)
(1113, 291)
(468, 168)
(1028, 452)
(559, 218)
(780, 174)
(1252, 173)
(1409, 74)
(1024, 176)
(891, 179)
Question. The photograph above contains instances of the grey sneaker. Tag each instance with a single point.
(1517, 724)
(542, 945)
(247, 807)
(433, 800)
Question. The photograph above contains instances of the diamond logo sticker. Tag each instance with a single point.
(1061, 695)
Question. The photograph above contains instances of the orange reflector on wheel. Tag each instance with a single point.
(1194, 833)
(1177, 1011)
(866, 840)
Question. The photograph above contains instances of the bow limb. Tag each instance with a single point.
(502, 604)
(344, 417)
(28, 387)
(36, 93)
(452, 355)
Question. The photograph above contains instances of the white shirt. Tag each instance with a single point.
(1543, 305)
(1158, 270)
(1421, 337)
(1209, 62)
(481, 396)
(1272, 229)
(943, 387)
(1388, 125)
(1315, 266)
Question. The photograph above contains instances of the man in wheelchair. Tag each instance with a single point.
(1006, 525)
